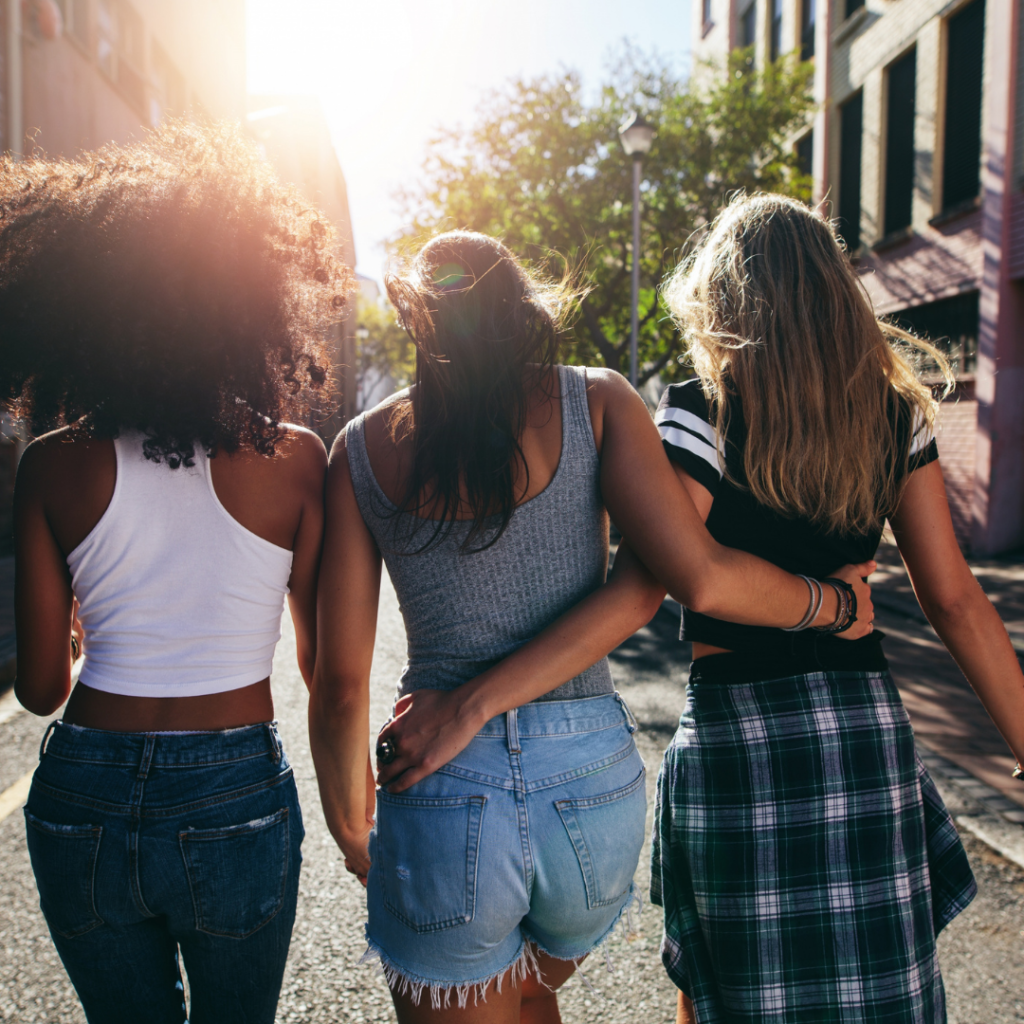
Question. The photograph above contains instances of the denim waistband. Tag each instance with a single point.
(161, 749)
(562, 717)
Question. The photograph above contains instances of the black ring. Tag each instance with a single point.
(386, 752)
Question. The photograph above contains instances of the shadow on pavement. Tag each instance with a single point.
(650, 671)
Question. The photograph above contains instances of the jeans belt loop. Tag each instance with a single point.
(512, 728)
(273, 742)
(631, 722)
(146, 760)
(46, 737)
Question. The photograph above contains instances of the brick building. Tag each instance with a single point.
(917, 148)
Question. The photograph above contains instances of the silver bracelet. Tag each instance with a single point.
(813, 607)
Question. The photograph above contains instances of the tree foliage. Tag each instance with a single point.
(542, 169)
(382, 348)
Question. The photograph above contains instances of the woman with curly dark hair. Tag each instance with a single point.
(162, 308)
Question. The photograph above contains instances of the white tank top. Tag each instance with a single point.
(176, 597)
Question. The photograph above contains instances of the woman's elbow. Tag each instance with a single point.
(333, 699)
(40, 700)
(700, 595)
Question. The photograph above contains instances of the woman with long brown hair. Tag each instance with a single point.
(163, 308)
(803, 857)
(505, 854)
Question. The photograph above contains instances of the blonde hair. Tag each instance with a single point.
(776, 317)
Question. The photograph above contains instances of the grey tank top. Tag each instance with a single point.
(464, 612)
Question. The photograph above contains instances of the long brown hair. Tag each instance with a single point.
(777, 318)
(486, 335)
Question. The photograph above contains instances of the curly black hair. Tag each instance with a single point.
(172, 286)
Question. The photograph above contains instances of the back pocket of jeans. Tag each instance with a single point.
(426, 855)
(64, 863)
(238, 874)
(607, 833)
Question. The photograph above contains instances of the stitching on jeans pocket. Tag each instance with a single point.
(426, 858)
(237, 874)
(607, 839)
(64, 863)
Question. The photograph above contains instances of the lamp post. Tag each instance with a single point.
(636, 134)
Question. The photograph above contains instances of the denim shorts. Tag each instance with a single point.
(531, 834)
(142, 843)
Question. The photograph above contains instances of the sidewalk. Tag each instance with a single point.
(948, 718)
(8, 647)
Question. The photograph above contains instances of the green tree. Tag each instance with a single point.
(543, 170)
(382, 347)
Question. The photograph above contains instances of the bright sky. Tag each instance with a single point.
(389, 71)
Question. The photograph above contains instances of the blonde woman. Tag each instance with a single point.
(803, 857)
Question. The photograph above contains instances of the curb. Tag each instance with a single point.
(975, 806)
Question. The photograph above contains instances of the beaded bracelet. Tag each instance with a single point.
(846, 616)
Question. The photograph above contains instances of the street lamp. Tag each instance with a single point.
(636, 134)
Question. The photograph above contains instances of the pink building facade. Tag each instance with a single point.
(917, 150)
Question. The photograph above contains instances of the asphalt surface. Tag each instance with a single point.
(981, 951)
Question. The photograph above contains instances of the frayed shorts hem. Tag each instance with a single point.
(402, 982)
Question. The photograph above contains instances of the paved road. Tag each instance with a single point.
(981, 956)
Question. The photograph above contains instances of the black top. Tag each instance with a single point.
(737, 520)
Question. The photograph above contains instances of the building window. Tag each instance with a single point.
(899, 144)
(853, 6)
(748, 25)
(851, 128)
(961, 159)
(805, 154)
(76, 19)
(808, 15)
(776, 36)
(706, 14)
(169, 97)
(120, 49)
(951, 325)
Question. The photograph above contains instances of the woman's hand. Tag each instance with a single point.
(356, 851)
(77, 633)
(429, 728)
(855, 575)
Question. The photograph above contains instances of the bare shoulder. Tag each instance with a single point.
(380, 423)
(608, 387)
(304, 446)
(62, 458)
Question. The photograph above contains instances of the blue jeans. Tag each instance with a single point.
(532, 833)
(142, 843)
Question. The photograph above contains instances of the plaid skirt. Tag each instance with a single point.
(803, 857)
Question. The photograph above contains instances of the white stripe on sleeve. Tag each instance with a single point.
(923, 434)
(687, 419)
(695, 445)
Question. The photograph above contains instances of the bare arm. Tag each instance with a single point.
(446, 720)
(339, 702)
(956, 605)
(306, 551)
(42, 595)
